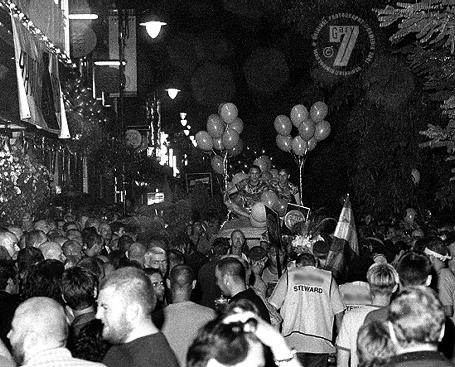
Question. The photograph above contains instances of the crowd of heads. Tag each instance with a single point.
(87, 263)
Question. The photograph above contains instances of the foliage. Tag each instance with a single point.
(303, 16)
(385, 154)
(430, 21)
(24, 184)
(431, 55)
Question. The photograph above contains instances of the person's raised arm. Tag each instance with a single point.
(268, 335)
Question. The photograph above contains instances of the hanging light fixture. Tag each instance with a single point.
(153, 27)
(85, 16)
(108, 62)
(172, 92)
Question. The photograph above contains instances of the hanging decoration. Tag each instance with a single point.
(38, 82)
(222, 139)
(312, 128)
(86, 116)
(37, 32)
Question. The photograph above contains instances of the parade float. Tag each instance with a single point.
(250, 196)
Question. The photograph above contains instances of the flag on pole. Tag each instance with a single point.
(345, 228)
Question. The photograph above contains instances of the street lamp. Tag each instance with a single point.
(172, 92)
(153, 113)
(153, 27)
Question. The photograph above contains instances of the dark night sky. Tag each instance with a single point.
(239, 51)
(219, 56)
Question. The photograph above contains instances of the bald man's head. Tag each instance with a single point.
(39, 324)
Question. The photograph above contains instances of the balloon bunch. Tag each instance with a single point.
(312, 129)
(79, 99)
(86, 115)
(222, 137)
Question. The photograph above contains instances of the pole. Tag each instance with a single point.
(153, 117)
(121, 69)
(122, 81)
(225, 182)
(157, 118)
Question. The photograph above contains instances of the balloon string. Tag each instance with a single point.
(301, 164)
(225, 172)
(225, 177)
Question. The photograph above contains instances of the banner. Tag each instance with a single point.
(40, 94)
(129, 51)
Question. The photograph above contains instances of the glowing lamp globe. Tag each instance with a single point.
(172, 92)
(153, 28)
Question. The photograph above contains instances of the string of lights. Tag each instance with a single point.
(16, 12)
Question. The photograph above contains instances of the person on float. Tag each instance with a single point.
(266, 177)
(286, 189)
(249, 192)
(274, 176)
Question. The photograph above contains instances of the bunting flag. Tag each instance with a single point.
(345, 228)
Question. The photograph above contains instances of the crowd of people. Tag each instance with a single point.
(80, 290)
